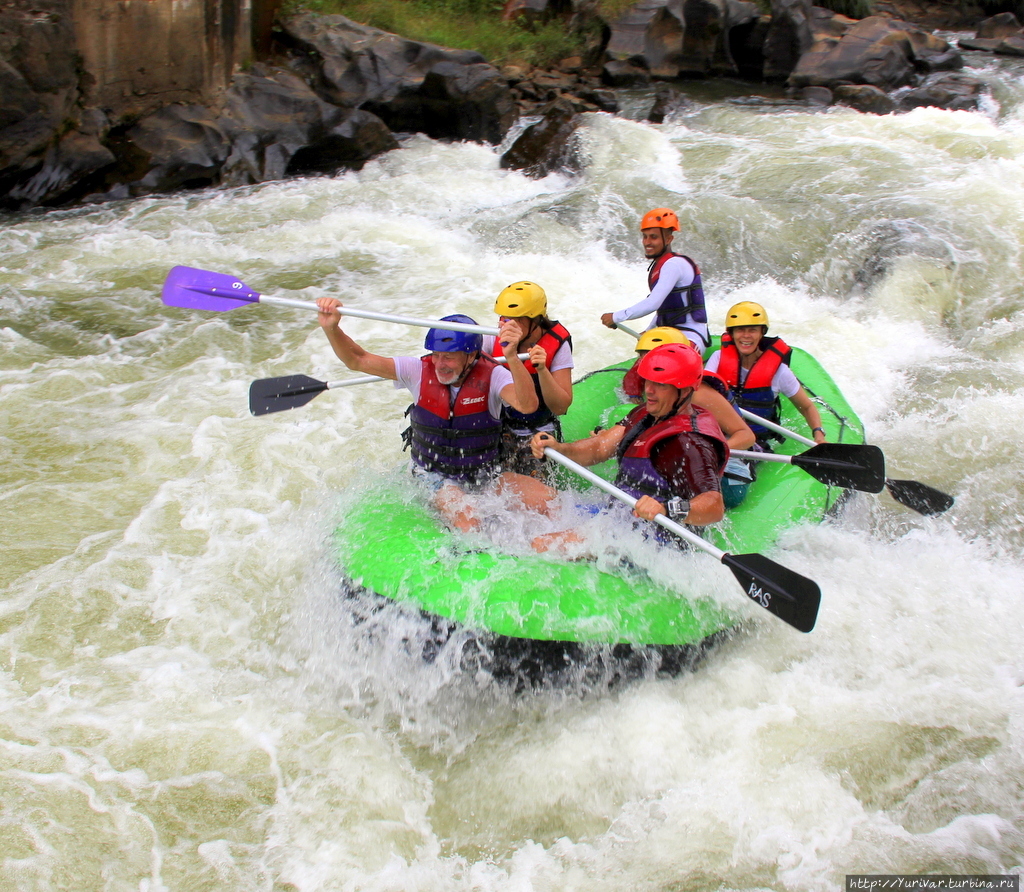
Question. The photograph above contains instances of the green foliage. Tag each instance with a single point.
(460, 24)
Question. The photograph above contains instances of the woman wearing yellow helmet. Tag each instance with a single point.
(549, 344)
(676, 294)
(756, 369)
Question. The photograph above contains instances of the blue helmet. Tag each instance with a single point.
(440, 340)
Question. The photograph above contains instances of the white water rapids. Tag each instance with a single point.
(183, 704)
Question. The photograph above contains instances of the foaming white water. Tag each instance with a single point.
(187, 702)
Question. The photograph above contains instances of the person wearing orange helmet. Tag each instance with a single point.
(671, 453)
(676, 293)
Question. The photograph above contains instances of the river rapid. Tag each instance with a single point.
(184, 703)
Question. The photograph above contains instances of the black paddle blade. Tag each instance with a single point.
(845, 464)
(791, 597)
(277, 394)
(921, 498)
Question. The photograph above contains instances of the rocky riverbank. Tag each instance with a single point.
(332, 94)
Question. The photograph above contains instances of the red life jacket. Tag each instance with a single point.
(637, 474)
(551, 341)
(457, 440)
(755, 394)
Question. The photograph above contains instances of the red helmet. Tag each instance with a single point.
(672, 364)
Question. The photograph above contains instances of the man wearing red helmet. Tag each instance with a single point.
(676, 293)
(671, 453)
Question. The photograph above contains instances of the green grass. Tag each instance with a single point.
(463, 24)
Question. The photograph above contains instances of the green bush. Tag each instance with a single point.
(460, 24)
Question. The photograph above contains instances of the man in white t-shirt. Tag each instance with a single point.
(458, 394)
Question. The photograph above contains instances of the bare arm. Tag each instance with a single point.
(555, 387)
(521, 395)
(591, 451)
(738, 434)
(347, 350)
(705, 508)
(802, 401)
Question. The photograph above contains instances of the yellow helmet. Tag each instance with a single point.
(522, 299)
(746, 312)
(663, 334)
(660, 218)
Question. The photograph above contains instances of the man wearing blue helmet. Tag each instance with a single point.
(458, 395)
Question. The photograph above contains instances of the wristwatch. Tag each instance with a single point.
(815, 430)
(677, 508)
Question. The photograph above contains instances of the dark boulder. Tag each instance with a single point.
(878, 51)
(649, 36)
(864, 98)
(949, 90)
(175, 147)
(412, 86)
(789, 36)
(38, 82)
(547, 145)
(875, 51)
(817, 96)
(667, 102)
(279, 126)
(72, 159)
(617, 73)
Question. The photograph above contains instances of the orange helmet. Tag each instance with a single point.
(672, 364)
(660, 218)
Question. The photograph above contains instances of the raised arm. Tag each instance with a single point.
(555, 387)
(347, 350)
(521, 395)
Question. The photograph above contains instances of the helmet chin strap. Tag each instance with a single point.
(466, 370)
(681, 401)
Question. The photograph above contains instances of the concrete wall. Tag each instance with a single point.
(141, 54)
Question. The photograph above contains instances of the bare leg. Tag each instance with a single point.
(451, 501)
(557, 541)
(531, 492)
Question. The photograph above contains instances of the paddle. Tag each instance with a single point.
(197, 289)
(913, 494)
(277, 394)
(917, 496)
(268, 395)
(791, 597)
(836, 464)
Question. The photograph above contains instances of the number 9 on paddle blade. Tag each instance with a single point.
(791, 597)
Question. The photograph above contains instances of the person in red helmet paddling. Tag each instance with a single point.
(671, 453)
(676, 292)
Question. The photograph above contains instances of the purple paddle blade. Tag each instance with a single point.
(197, 289)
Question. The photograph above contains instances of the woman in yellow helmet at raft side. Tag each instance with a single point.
(549, 345)
(756, 369)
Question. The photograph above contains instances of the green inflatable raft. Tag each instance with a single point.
(393, 547)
